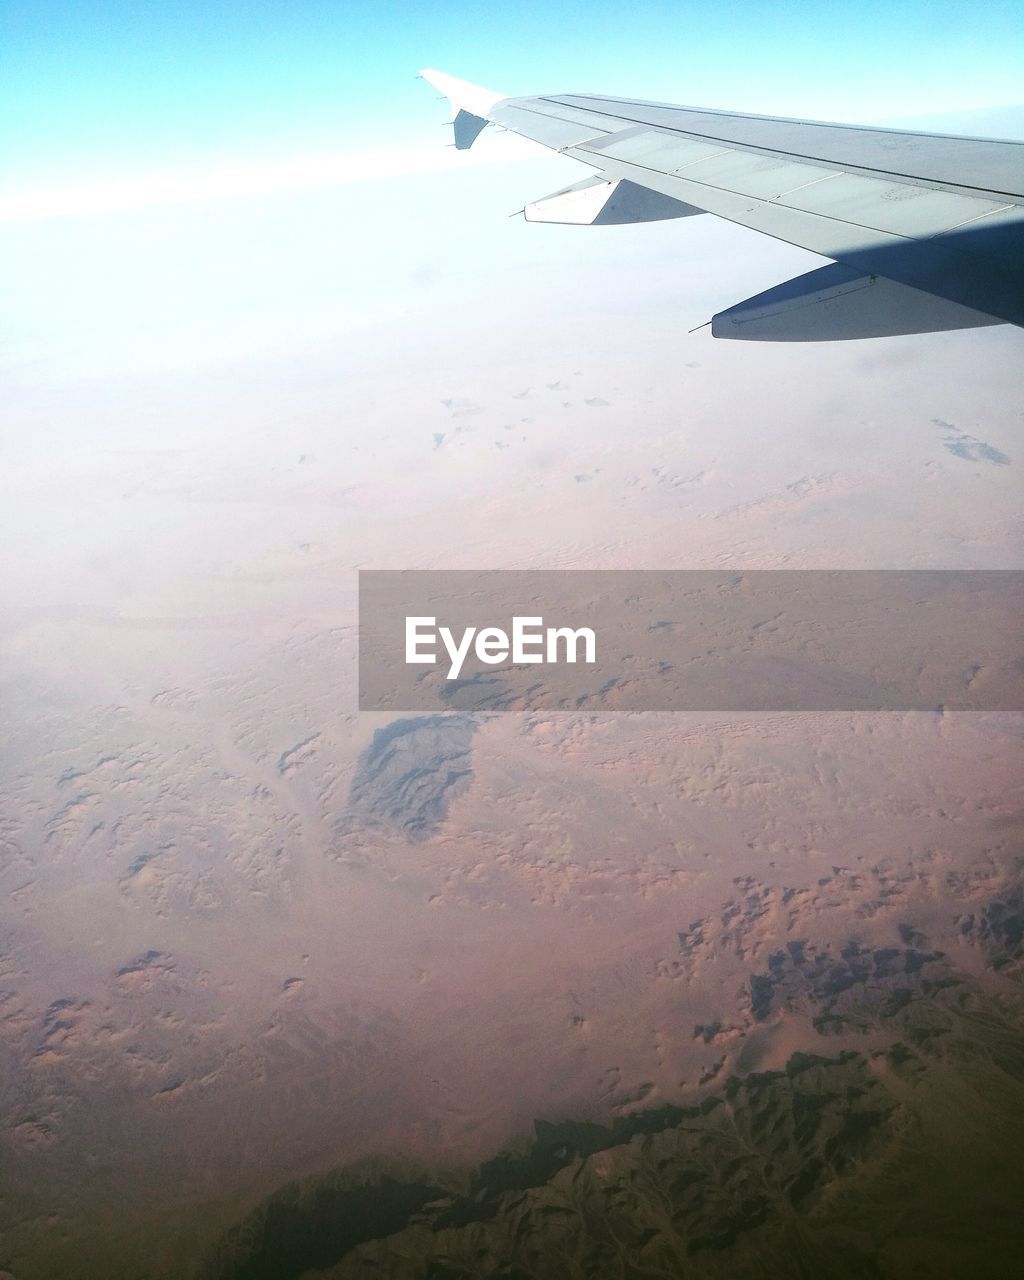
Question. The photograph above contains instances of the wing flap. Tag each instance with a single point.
(820, 234)
(877, 204)
(765, 177)
(889, 206)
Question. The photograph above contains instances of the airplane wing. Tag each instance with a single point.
(926, 231)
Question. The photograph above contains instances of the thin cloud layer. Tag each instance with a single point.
(137, 191)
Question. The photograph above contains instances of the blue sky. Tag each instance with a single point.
(230, 310)
(195, 153)
(97, 89)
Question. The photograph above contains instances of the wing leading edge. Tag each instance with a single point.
(926, 231)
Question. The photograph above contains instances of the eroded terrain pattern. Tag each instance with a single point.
(876, 1161)
(594, 993)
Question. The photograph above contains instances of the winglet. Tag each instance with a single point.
(474, 99)
(467, 128)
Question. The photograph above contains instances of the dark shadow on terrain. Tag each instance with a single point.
(898, 1158)
(313, 1225)
(410, 773)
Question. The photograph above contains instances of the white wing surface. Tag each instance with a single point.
(926, 231)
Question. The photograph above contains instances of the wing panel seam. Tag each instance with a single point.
(800, 156)
(777, 204)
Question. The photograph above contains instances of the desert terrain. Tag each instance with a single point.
(290, 990)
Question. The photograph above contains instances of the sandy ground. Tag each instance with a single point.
(219, 974)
